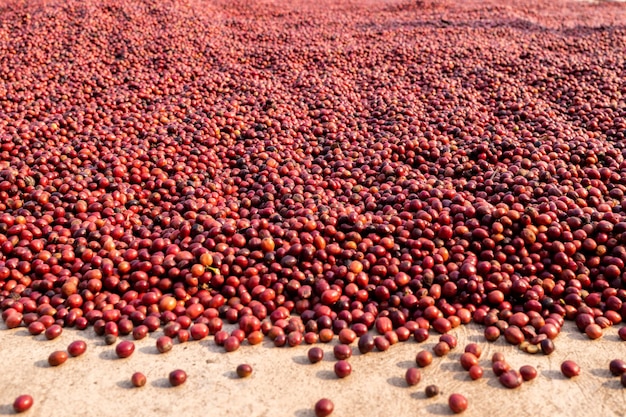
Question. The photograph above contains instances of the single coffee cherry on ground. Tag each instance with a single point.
(231, 344)
(35, 328)
(431, 391)
(138, 379)
(343, 368)
(468, 360)
(413, 376)
(457, 403)
(450, 339)
(366, 343)
(570, 368)
(500, 367)
(77, 348)
(381, 343)
(593, 331)
(475, 372)
(324, 407)
(423, 358)
(140, 332)
(474, 349)
(511, 379)
(13, 320)
(244, 370)
(22, 403)
(315, 354)
(110, 339)
(342, 351)
(177, 377)
(497, 357)
(164, 344)
(617, 367)
(57, 358)
(441, 349)
(53, 331)
(421, 335)
(547, 346)
(124, 349)
(528, 372)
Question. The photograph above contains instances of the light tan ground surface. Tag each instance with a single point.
(284, 383)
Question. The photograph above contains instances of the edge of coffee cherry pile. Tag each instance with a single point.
(346, 189)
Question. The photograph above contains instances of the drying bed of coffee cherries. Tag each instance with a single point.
(301, 171)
